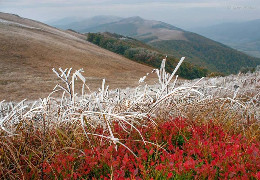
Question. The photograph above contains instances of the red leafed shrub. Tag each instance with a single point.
(174, 149)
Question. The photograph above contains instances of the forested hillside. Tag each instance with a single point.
(207, 53)
(174, 41)
(143, 53)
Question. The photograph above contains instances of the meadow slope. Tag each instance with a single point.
(30, 49)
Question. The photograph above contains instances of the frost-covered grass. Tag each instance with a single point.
(79, 116)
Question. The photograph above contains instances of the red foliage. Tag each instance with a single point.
(201, 151)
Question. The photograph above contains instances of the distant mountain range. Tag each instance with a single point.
(172, 40)
(80, 24)
(141, 29)
(243, 36)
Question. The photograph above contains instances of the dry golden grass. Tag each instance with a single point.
(27, 56)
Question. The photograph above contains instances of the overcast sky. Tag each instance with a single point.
(181, 13)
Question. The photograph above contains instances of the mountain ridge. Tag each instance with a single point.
(141, 29)
(81, 23)
(199, 50)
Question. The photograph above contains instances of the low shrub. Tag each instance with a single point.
(175, 149)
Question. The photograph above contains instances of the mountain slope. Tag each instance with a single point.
(207, 53)
(145, 54)
(79, 24)
(30, 49)
(244, 36)
(172, 40)
(141, 29)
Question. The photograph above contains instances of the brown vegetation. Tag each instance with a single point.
(29, 50)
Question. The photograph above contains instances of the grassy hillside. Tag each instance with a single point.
(30, 49)
(143, 53)
(175, 41)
